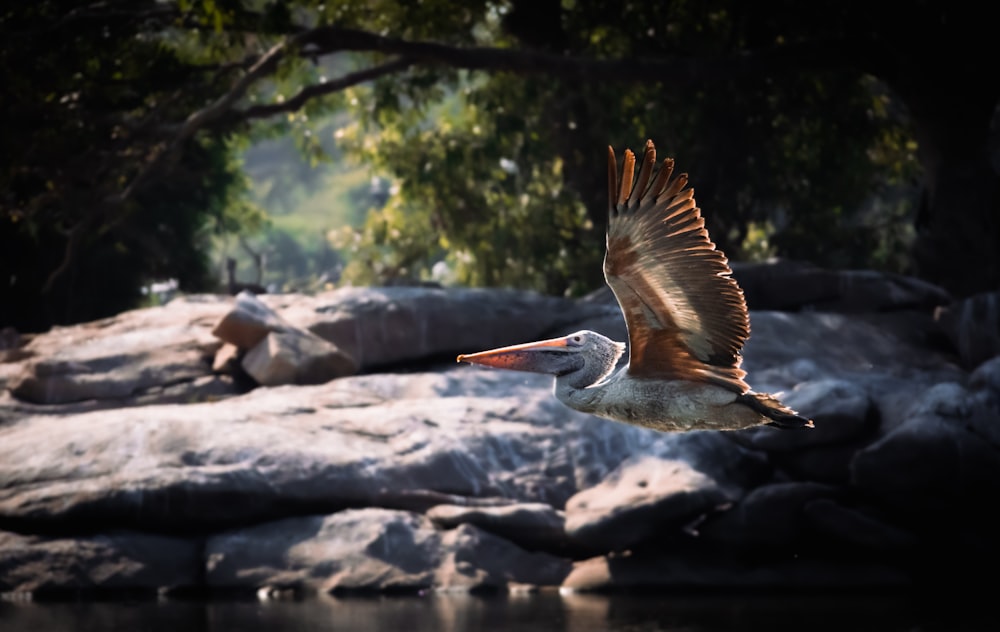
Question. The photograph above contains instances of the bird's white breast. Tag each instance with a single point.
(666, 405)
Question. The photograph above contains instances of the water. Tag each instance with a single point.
(523, 613)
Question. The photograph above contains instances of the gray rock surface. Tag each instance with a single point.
(128, 462)
(644, 497)
(115, 561)
(296, 357)
(972, 324)
(120, 357)
(795, 285)
(372, 550)
(391, 325)
(535, 526)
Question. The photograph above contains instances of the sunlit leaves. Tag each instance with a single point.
(473, 191)
(790, 165)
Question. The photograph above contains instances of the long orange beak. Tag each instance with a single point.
(522, 357)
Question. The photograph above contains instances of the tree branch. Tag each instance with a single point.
(330, 39)
(317, 90)
(686, 71)
(264, 65)
(197, 120)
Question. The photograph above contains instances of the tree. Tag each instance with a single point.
(124, 97)
(86, 218)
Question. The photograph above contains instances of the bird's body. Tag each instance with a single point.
(686, 317)
(667, 406)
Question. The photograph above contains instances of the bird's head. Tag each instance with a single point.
(586, 351)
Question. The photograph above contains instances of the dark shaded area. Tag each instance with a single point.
(882, 612)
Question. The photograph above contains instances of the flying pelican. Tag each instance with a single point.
(686, 317)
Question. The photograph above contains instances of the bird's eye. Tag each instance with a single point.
(578, 339)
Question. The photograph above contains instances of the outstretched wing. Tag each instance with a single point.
(685, 314)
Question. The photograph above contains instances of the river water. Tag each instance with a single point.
(548, 612)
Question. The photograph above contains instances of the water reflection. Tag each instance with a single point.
(456, 613)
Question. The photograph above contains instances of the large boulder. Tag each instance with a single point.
(296, 357)
(121, 562)
(972, 324)
(248, 322)
(643, 497)
(703, 570)
(790, 286)
(534, 526)
(391, 325)
(372, 550)
(120, 357)
(356, 441)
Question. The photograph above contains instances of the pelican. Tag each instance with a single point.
(686, 317)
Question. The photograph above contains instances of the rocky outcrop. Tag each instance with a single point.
(119, 561)
(372, 549)
(797, 286)
(135, 356)
(972, 324)
(417, 473)
(195, 347)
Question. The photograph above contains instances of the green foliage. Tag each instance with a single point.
(304, 201)
(498, 176)
(87, 93)
(475, 191)
(800, 166)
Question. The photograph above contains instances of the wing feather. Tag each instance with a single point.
(686, 315)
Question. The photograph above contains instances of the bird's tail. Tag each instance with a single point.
(780, 415)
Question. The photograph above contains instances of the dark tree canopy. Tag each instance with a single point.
(802, 125)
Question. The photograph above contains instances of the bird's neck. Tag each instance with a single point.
(581, 390)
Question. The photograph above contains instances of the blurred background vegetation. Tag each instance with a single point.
(328, 143)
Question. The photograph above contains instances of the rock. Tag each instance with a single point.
(366, 548)
(934, 475)
(531, 526)
(704, 571)
(845, 420)
(248, 322)
(793, 285)
(972, 325)
(386, 326)
(10, 339)
(896, 478)
(930, 464)
(370, 440)
(984, 383)
(8, 373)
(227, 359)
(119, 357)
(771, 517)
(476, 560)
(986, 377)
(277, 352)
(207, 388)
(947, 399)
(296, 357)
(97, 564)
(731, 466)
(841, 410)
(372, 550)
(643, 497)
(858, 528)
(845, 346)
